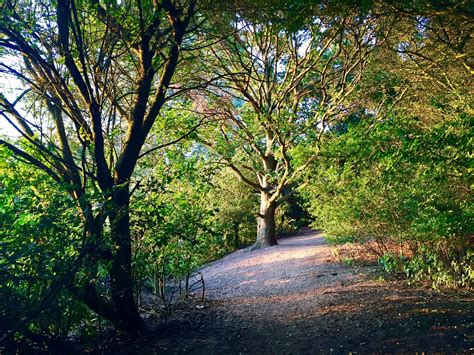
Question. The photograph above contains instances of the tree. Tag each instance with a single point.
(97, 75)
(279, 90)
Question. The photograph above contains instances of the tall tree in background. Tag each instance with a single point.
(280, 89)
(97, 75)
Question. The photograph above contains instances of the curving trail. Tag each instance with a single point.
(294, 299)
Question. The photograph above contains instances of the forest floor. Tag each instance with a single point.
(294, 298)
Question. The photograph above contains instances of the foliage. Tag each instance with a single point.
(234, 203)
(430, 264)
(391, 263)
(396, 174)
(185, 214)
(40, 238)
(174, 230)
(398, 182)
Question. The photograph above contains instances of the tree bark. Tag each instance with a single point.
(121, 270)
(266, 231)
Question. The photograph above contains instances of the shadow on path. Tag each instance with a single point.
(293, 299)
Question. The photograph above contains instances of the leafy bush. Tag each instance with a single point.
(174, 228)
(392, 263)
(458, 273)
(398, 184)
(40, 239)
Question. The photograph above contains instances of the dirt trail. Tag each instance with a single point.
(299, 264)
(293, 299)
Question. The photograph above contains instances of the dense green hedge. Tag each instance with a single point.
(401, 181)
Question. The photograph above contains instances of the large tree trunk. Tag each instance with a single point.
(121, 310)
(121, 270)
(266, 231)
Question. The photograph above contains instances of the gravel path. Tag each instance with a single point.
(298, 265)
(293, 298)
